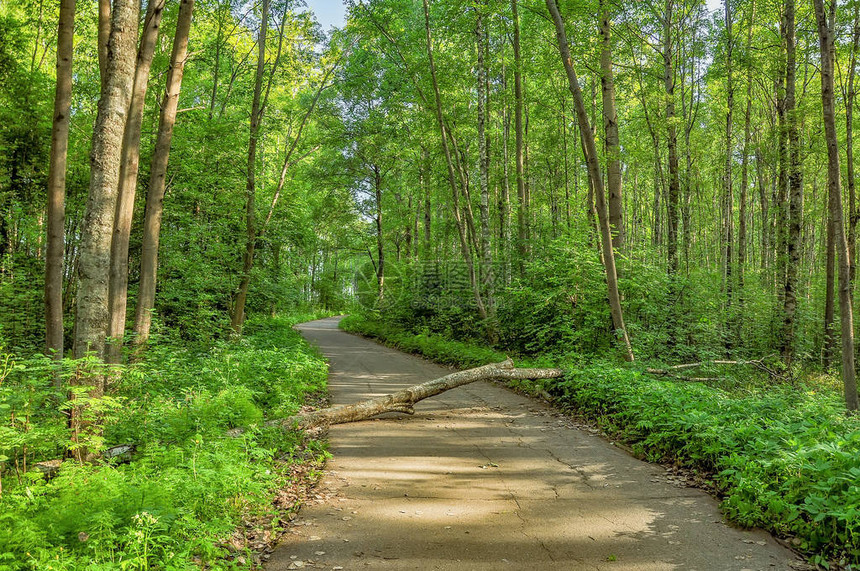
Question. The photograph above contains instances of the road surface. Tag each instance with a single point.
(481, 478)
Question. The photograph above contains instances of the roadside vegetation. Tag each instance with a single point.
(186, 494)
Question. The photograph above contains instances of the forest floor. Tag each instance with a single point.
(483, 478)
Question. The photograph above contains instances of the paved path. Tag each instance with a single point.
(482, 478)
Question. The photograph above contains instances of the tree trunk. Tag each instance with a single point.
(596, 178)
(158, 177)
(487, 273)
(826, 25)
(57, 185)
(452, 177)
(728, 195)
(105, 157)
(237, 318)
(522, 213)
(91, 319)
(610, 126)
(853, 215)
(118, 286)
(104, 29)
(673, 198)
(742, 206)
(795, 205)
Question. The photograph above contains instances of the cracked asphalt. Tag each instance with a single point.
(483, 478)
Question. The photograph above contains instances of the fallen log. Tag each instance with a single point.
(672, 371)
(403, 401)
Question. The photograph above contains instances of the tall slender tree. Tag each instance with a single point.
(826, 22)
(610, 128)
(795, 203)
(105, 159)
(596, 177)
(522, 203)
(158, 176)
(55, 246)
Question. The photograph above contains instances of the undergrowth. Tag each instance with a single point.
(783, 458)
(188, 485)
(435, 347)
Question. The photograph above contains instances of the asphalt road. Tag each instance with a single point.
(483, 478)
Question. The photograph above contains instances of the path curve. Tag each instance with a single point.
(482, 478)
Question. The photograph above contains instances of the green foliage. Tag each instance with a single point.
(188, 485)
(435, 347)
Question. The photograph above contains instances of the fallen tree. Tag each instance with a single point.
(404, 400)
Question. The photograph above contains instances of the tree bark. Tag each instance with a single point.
(57, 185)
(158, 177)
(596, 178)
(795, 205)
(118, 286)
(104, 28)
(826, 27)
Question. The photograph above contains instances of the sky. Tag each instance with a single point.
(328, 12)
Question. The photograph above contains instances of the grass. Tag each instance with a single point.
(178, 503)
(783, 458)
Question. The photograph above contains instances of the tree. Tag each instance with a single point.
(57, 183)
(795, 204)
(158, 176)
(610, 127)
(92, 309)
(594, 174)
(826, 22)
(522, 203)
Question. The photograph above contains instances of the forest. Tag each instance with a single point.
(657, 196)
